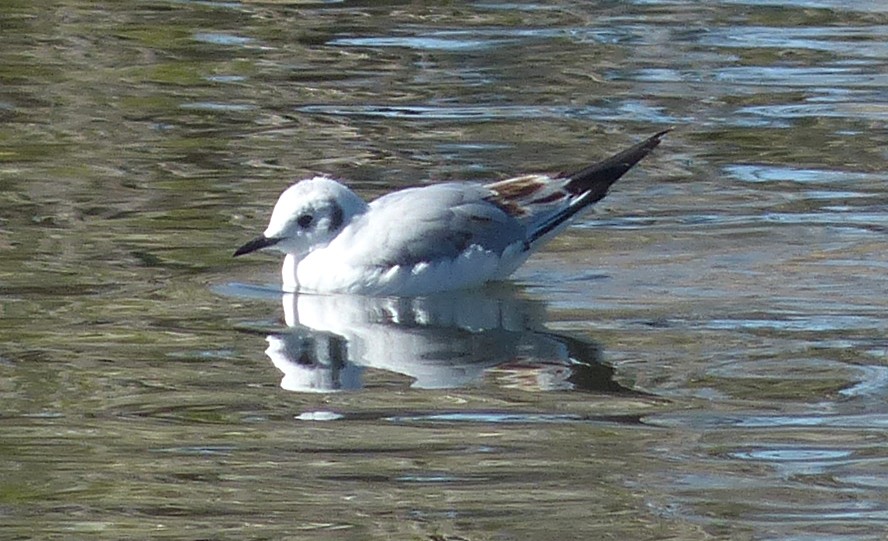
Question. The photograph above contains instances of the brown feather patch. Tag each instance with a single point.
(509, 192)
(518, 187)
(554, 196)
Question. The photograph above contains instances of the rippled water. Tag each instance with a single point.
(704, 357)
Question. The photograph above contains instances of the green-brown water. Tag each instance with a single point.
(704, 357)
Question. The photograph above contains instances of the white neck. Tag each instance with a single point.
(288, 274)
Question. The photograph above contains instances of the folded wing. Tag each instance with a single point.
(429, 224)
(441, 221)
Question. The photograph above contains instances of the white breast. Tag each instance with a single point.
(324, 271)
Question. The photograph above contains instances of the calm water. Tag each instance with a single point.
(704, 357)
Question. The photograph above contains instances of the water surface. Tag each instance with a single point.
(703, 357)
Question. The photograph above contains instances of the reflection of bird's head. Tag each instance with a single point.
(311, 363)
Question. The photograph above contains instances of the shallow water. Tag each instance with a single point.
(703, 357)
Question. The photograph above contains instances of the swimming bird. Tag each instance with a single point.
(434, 238)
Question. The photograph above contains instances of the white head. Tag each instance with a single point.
(308, 214)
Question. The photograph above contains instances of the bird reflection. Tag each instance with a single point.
(442, 341)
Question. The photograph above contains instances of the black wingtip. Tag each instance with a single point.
(591, 184)
(597, 178)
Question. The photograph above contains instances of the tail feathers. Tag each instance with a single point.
(591, 184)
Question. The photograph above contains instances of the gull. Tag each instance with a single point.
(429, 239)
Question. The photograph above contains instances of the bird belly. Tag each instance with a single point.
(472, 268)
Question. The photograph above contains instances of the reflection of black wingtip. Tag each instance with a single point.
(591, 374)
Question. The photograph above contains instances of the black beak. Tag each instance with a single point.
(256, 244)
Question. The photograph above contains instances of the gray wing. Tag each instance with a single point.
(430, 223)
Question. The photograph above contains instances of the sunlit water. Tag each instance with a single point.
(703, 357)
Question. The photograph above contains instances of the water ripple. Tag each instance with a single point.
(776, 173)
(852, 41)
(865, 6)
(417, 42)
(222, 39)
(627, 110)
(811, 323)
(859, 110)
(729, 421)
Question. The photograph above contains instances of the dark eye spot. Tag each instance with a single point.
(304, 220)
(336, 218)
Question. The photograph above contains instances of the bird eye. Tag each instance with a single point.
(304, 220)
